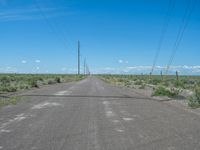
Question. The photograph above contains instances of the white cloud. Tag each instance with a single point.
(63, 69)
(120, 61)
(23, 61)
(9, 69)
(196, 71)
(30, 13)
(183, 70)
(37, 61)
(123, 61)
(196, 67)
(139, 68)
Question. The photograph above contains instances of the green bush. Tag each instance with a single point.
(121, 80)
(194, 101)
(58, 80)
(33, 83)
(162, 91)
(138, 82)
(51, 81)
(12, 100)
(8, 88)
(197, 93)
(165, 83)
(15, 82)
(154, 81)
(180, 84)
(11, 89)
(142, 86)
(127, 83)
(5, 80)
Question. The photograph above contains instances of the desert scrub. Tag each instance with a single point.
(165, 83)
(17, 82)
(33, 83)
(7, 88)
(142, 86)
(194, 101)
(155, 81)
(185, 82)
(51, 81)
(10, 101)
(162, 91)
(127, 83)
(58, 80)
(138, 82)
(179, 83)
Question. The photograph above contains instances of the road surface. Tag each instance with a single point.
(93, 115)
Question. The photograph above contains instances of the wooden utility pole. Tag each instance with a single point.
(87, 70)
(177, 76)
(84, 66)
(150, 75)
(161, 74)
(78, 57)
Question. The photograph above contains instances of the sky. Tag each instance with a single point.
(116, 36)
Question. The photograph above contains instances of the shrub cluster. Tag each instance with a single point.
(162, 91)
(194, 101)
(16, 82)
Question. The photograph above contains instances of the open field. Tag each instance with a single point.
(183, 82)
(18, 82)
(187, 87)
(183, 87)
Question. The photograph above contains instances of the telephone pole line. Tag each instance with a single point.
(84, 66)
(87, 70)
(78, 57)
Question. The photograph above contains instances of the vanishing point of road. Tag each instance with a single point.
(93, 115)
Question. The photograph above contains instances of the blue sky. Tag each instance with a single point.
(117, 36)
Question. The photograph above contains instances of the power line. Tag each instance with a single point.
(171, 6)
(48, 22)
(185, 21)
(61, 38)
(60, 29)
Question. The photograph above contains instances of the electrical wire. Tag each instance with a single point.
(66, 38)
(52, 26)
(170, 9)
(185, 21)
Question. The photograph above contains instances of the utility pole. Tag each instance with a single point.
(177, 76)
(150, 75)
(84, 66)
(78, 57)
(87, 70)
(161, 74)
